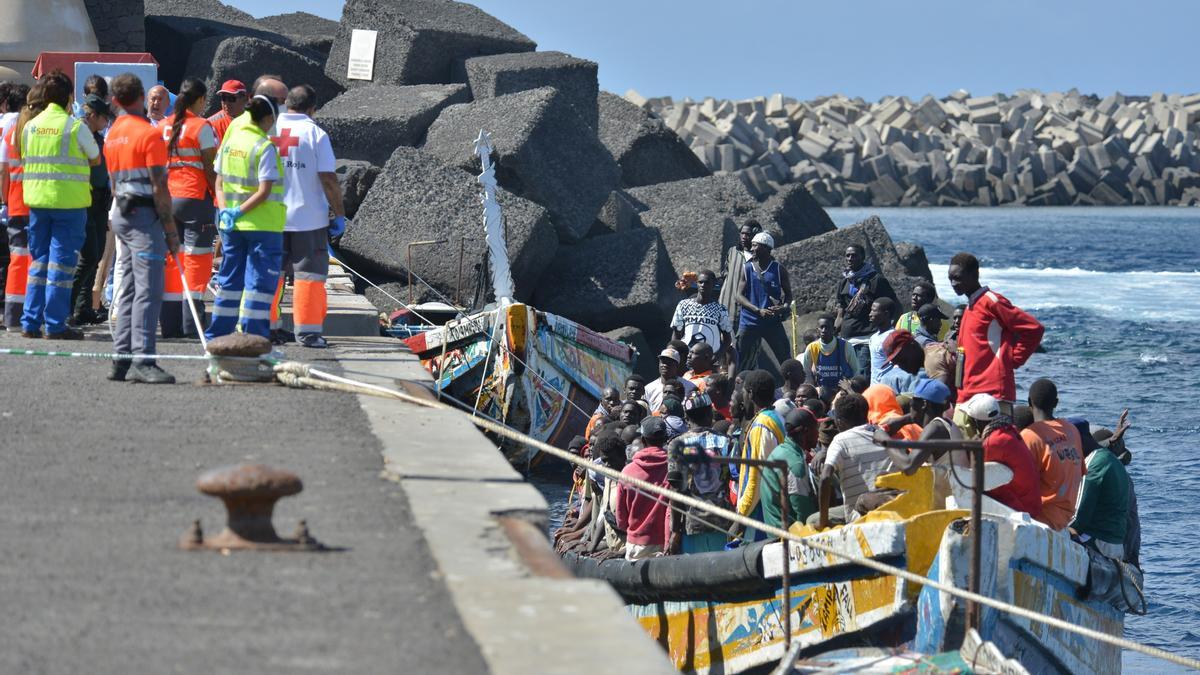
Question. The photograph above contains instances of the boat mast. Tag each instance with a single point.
(493, 222)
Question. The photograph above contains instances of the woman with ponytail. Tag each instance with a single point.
(191, 179)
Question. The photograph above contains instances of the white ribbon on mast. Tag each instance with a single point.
(493, 222)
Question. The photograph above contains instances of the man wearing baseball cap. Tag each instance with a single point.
(930, 400)
(1002, 444)
(765, 296)
(905, 362)
(233, 103)
(670, 366)
(931, 323)
(1101, 516)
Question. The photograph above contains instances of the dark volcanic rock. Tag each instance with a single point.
(698, 218)
(368, 123)
(912, 256)
(355, 178)
(245, 58)
(299, 23)
(174, 26)
(646, 363)
(815, 264)
(575, 79)
(421, 41)
(618, 214)
(119, 25)
(623, 279)
(544, 152)
(795, 214)
(647, 150)
(416, 198)
(306, 31)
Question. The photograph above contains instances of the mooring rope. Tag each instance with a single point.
(298, 372)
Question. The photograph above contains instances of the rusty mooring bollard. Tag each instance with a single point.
(249, 492)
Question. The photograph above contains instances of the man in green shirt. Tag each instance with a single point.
(1101, 515)
(801, 428)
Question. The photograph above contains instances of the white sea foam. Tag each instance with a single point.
(1147, 357)
(1156, 296)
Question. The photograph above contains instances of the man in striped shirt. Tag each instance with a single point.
(854, 457)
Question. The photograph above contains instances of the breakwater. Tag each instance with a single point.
(1030, 148)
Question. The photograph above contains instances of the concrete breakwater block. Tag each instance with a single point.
(306, 31)
(796, 214)
(816, 264)
(244, 58)
(698, 219)
(368, 123)
(421, 41)
(646, 149)
(500, 74)
(416, 198)
(355, 177)
(623, 279)
(1021, 148)
(544, 151)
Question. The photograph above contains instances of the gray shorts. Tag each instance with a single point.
(307, 254)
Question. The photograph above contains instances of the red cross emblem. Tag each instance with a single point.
(285, 141)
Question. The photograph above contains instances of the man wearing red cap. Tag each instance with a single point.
(905, 362)
(233, 103)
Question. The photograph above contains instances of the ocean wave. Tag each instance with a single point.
(1141, 295)
(1146, 357)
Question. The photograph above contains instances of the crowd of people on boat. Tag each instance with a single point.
(119, 199)
(868, 372)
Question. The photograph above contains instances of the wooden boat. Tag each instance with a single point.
(723, 612)
(537, 372)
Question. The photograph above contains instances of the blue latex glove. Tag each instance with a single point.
(227, 217)
(337, 226)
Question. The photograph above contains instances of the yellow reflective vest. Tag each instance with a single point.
(57, 173)
(240, 154)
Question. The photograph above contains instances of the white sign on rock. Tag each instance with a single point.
(361, 64)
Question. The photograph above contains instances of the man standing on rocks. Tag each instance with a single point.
(829, 359)
(995, 338)
(704, 318)
(311, 191)
(737, 256)
(880, 318)
(860, 286)
(233, 104)
(765, 294)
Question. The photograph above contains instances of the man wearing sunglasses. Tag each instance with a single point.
(233, 103)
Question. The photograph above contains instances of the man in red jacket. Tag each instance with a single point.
(994, 339)
(644, 517)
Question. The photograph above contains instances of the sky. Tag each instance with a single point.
(867, 48)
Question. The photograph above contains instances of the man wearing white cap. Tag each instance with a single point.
(1002, 443)
(765, 296)
(670, 365)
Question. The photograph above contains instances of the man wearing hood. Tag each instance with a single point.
(861, 285)
(644, 517)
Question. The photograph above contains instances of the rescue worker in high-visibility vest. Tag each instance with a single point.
(143, 222)
(311, 192)
(18, 213)
(251, 220)
(191, 149)
(57, 152)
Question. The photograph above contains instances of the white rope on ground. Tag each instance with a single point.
(302, 370)
(191, 303)
(119, 357)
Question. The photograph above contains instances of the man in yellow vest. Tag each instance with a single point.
(57, 152)
(252, 216)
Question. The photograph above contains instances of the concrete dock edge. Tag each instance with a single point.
(459, 485)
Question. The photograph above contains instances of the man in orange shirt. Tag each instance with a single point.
(143, 222)
(1058, 451)
(233, 103)
(700, 364)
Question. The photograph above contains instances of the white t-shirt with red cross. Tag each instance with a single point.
(306, 152)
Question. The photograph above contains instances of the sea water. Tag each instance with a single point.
(1118, 290)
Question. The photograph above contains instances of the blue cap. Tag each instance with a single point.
(1085, 434)
(933, 391)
